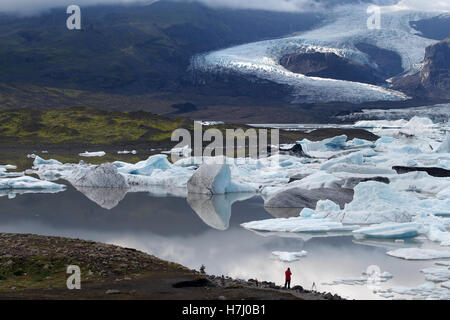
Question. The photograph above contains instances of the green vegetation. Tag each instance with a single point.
(38, 272)
(128, 49)
(85, 125)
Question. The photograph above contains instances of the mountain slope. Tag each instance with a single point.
(128, 49)
(433, 81)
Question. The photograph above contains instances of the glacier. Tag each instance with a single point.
(261, 59)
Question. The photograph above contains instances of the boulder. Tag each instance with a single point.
(432, 171)
(303, 198)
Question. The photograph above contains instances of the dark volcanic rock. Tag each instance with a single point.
(389, 62)
(432, 171)
(198, 283)
(298, 177)
(433, 81)
(296, 150)
(303, 198)
(329, 65)
(353, 182)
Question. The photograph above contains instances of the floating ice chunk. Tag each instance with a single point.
(28, 183)
(331, 144)
(390, 230)
(103, 176)
(419, 254)
(297, 224)
(438, 233)
(215, 179)
(145, 167)
(436, 274)
(39, 161)
(365, 279)
(446, 284)
(445, 146)
(307, 213)
(92, 154)
(127, 152)
(327, 206)
(376, 202)
(443, 263)
(7, 167)
(353, 158)
(290, 256)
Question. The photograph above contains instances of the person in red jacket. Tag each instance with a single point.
(288, 274)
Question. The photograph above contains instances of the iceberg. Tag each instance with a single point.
(436, 274)
(353, 158)
(298, 224)
(445, 146)
(419, 254)
(92, 154)
(39, 161)
(26, 182)
(390, 231)
(377, 202)
(103, 176)
(215, 179)
(290, 256)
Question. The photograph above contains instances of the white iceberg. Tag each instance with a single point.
(39, 161)
(103, 176)
(436, 274)
(445, 146)
(215, 179)
(92, 154)
(297, 224)
(419, 254)
(390, 231)
(26, 182)
(290, 256)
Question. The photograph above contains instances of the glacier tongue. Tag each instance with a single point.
(260, 59)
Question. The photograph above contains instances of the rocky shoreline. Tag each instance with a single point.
(35, 267)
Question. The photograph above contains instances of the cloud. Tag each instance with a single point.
(425, 5)
(29, 7)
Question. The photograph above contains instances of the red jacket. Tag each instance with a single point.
(288, 274)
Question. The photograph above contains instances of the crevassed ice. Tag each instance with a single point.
(346, 27)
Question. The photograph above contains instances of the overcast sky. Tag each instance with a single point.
(27, 7)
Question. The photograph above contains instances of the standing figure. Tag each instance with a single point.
(288, 274)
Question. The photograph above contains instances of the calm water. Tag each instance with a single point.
(170, 228)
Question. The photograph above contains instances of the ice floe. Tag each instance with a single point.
(92, 154)
(25, 182)
(390, 230)
(298, 224)
(436, 274)
(368, 277)
(290, 256)
(419, 254)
